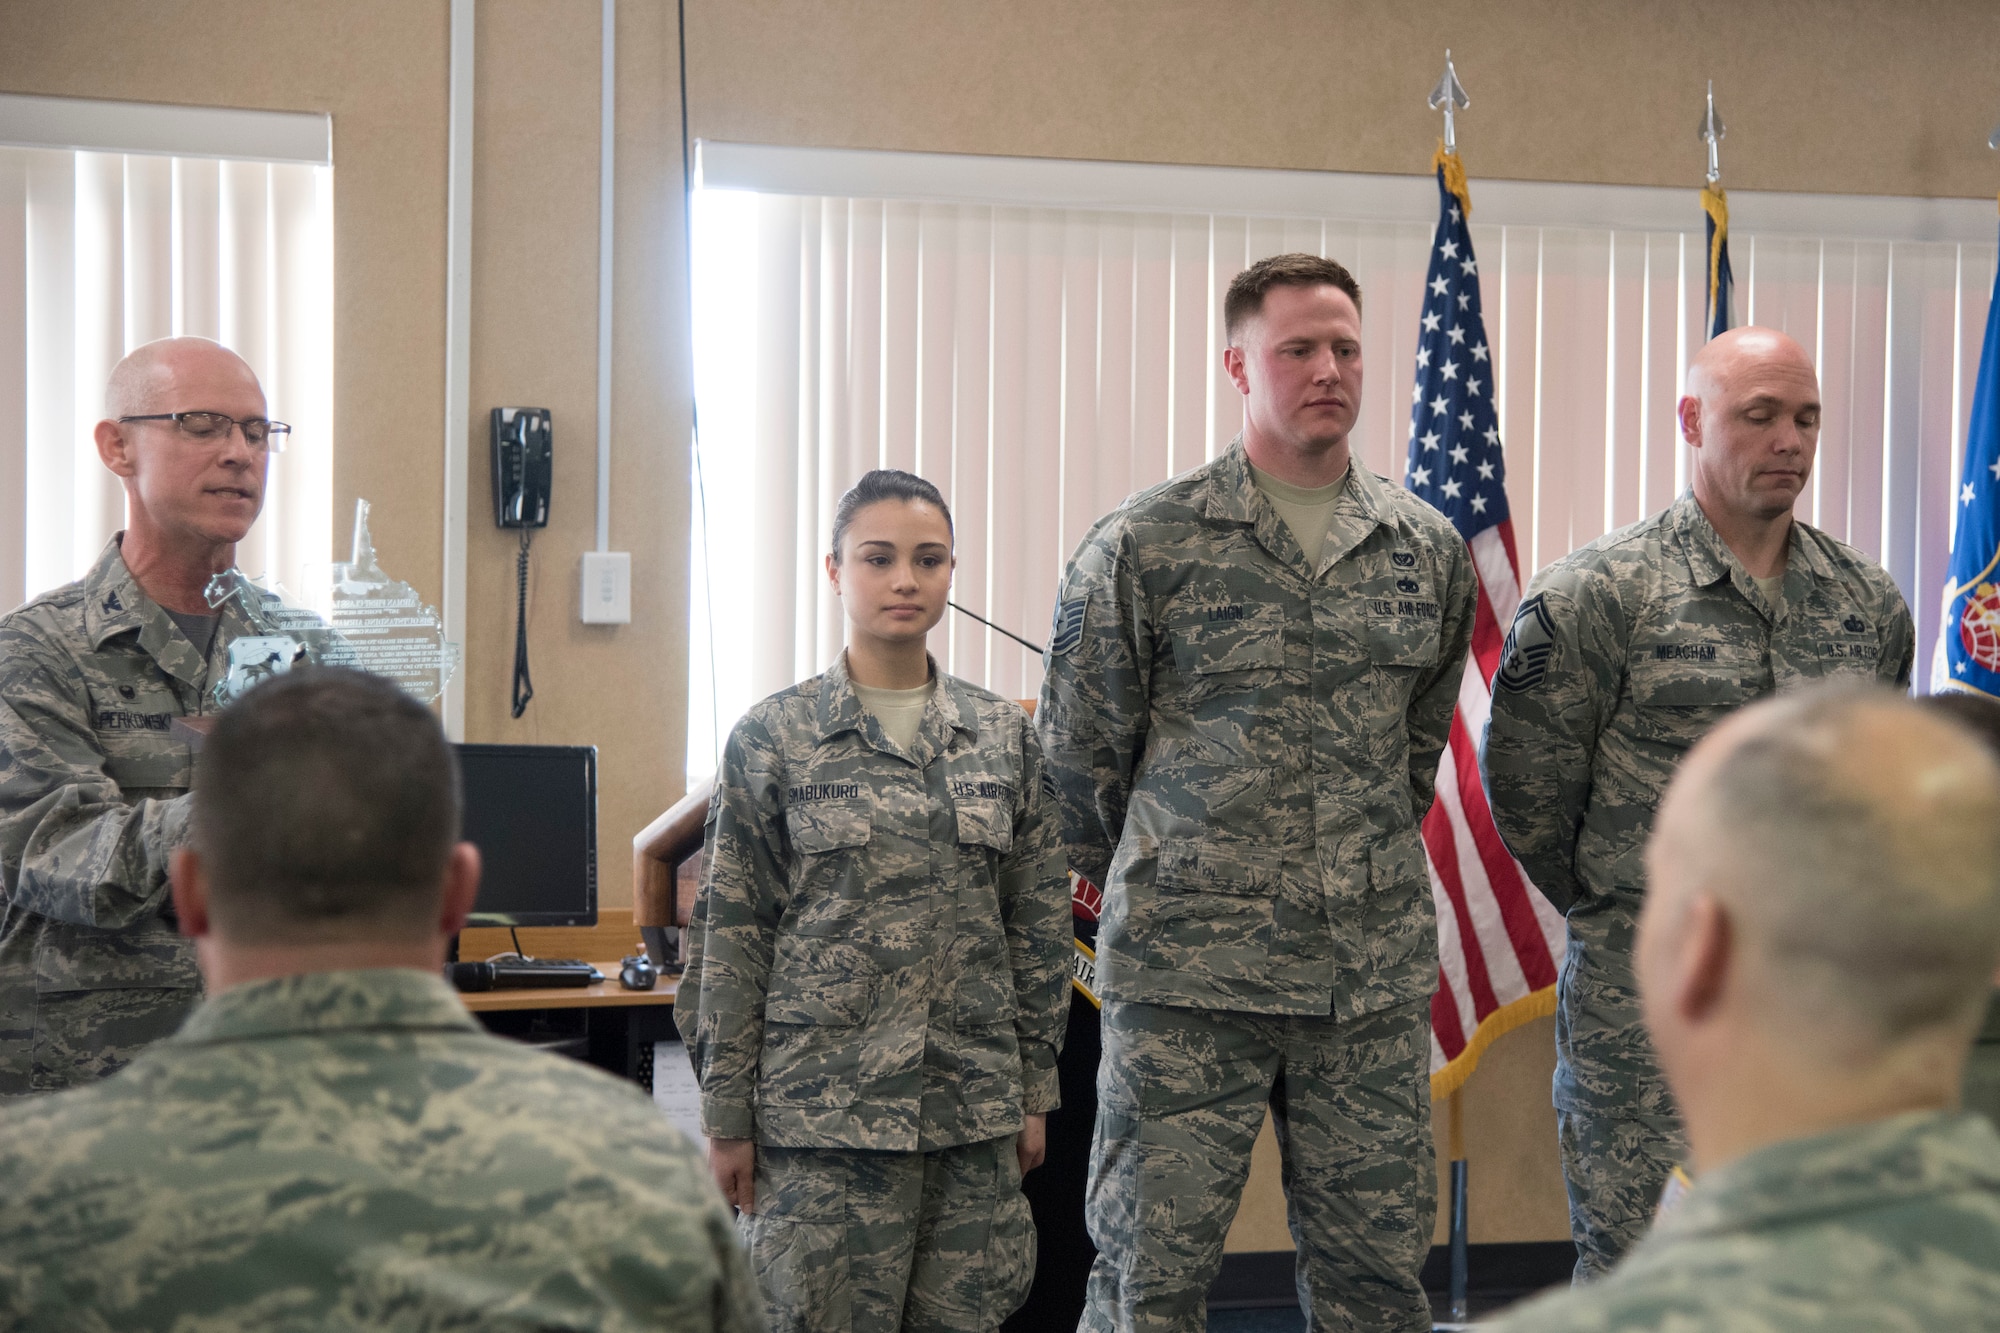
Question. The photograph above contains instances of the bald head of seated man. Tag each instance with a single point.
(1819, 939)
(331, 1141)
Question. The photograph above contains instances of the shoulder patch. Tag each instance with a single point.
(1068, 630)
(1524, 660)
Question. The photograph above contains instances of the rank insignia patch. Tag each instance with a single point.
(1068, 631)
(1524, 661)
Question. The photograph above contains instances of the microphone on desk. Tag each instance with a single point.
(469, 976)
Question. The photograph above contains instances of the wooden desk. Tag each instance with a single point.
(600, 994)
(602, 1023)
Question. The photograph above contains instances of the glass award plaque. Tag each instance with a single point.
(366, 620)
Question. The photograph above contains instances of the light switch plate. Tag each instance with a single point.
(607, 587)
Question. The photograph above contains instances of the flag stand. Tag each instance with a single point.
(1455, 1144)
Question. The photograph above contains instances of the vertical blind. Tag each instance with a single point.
(100, 252)
(1042, 364)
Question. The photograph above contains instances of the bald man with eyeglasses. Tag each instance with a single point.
(93, 783)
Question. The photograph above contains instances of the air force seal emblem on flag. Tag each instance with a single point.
(1524, 661)
(1068, 632)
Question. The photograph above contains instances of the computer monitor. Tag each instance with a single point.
(532, 812)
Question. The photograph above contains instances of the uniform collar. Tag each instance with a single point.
(114, 604)
(1902, 1159)
(1710, 560)
(326, 1002)
(949, 710)
(1233, 497)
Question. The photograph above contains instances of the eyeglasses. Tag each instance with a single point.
(268, 436)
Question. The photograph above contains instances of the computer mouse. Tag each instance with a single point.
(638, 973)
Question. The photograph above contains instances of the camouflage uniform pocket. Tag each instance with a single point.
(1189, 865)
(1010, 1248)
(1231, 669)
(830, 826)
(1406, 641)
(1212, 908)
(798, 1239)
(986, 822)
(1252, 642)
(818, 999)
(1400, 916)
(1675, 704)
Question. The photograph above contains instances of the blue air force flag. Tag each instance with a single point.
(1721, 280)
(1968, 655)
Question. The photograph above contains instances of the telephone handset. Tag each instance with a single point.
(523, 466)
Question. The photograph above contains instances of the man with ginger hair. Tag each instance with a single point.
(1621, 656)
(1816, 951)
(92, 674)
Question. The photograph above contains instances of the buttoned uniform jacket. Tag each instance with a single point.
(879, 955)
(1622, 655)
(92, 801)
(1244, 745)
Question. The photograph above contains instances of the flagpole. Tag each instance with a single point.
(1715, 203)
(1450, 97)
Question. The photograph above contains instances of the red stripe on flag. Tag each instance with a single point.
(1443, 849)
(1488, 636)
(1503, 874)
(1444, 1019)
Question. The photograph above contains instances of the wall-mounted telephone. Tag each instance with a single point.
(523, 466)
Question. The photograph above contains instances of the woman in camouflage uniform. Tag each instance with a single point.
(878, 962)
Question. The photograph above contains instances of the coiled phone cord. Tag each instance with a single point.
(524, 687)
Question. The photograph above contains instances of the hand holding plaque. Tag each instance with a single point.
(372, 623)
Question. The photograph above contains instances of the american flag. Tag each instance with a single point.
(1499, 940)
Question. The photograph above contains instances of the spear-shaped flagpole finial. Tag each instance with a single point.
(1450, 95)
(1711, 132)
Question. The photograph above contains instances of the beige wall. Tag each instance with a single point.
(1869, 96)
(1864, 96)
(381, 68)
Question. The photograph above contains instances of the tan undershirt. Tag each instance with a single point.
(1773, 589)
(901, 712)
(1307, 511)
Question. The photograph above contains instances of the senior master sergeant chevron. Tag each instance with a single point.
(1622, 655)
(1251, 679)
(92, 783)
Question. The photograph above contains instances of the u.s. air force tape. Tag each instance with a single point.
(1524, 661)
(1068, 630)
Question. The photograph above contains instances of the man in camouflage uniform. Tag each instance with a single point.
(92, 675)
(876, 992)
(330, 1141)
(1621, 656)
(1251, 679)
(1815, 952)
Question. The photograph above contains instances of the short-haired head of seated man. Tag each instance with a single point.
(325, 833)
(1821, 923)
(1822, 918)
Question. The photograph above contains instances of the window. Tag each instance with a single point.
(1041, 360)
(222, 228)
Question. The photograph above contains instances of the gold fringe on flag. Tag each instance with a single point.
(1536, 1004)
(1454, 177)
(1715, 200)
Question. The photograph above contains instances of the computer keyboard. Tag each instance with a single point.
(512, 972)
